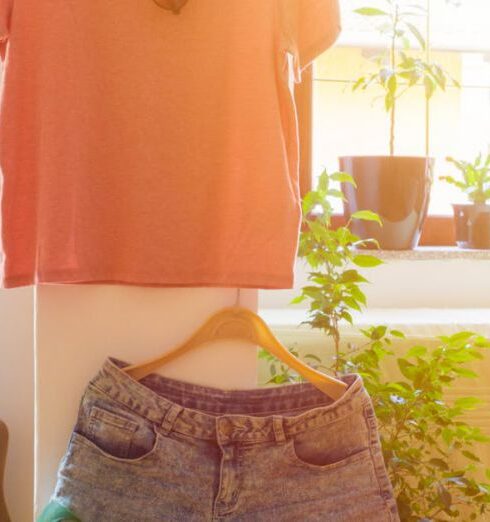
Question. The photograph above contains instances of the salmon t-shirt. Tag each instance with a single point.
(140, 146)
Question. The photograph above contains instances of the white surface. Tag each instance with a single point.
(414, 321)
(79, 325)
(404, 283)
(17, 397)
(428, 253)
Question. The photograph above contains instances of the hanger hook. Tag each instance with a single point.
(237, 300)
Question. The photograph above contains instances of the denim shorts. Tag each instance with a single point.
(161, 449)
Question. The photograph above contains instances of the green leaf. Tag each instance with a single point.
(461, 336)
(263, 354)
(470, 456)
(407, 368)
(319, 230)
(378, 332)
(352, 276)
(343, 177)
(447, 435)
(334, 193)
(366, 242)
(439, 76)
(313, 356)
(417, 351)
(358, 83)
(439, 463)
(297, 299)
(367, 215)
(347, 316)
(278, 379)
(397, 333)
(389, 101)
(467, 403)
(352, 303)
(465, 372)
(417, 34)
(323, 181)
(405, 42)
(367, 261)
(392, 85)
(358, 295)
(429, 87)
(370, 11)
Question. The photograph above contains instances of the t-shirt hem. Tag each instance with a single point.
(257, 281)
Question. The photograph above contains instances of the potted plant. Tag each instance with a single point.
(397, 188)
(472, 220)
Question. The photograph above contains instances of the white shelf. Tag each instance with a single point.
(413, 321)
(433, 253)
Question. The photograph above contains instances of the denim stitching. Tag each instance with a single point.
(383, 481)
(291, 426)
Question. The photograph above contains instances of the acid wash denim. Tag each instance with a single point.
(161, 449)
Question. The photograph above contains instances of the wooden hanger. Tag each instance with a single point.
(237, 322)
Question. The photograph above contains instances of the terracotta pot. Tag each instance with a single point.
(397, 188)
(472, 223)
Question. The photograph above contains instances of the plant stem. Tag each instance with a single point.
(427, 102)
(336, 338)
(393, 64)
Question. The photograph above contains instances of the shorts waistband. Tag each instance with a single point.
(254, 415)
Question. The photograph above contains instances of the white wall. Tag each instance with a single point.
(78, 326)
(17, 397)
(426, 279)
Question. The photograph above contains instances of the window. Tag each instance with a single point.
(343, 122)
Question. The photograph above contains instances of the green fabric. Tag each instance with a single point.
(55, 512)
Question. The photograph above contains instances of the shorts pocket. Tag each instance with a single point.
(321, 461)
(81, 440)
(111, 432)
(330, 446)
(117, 437)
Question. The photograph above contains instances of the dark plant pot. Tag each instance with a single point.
(472, 223)
(397, 188)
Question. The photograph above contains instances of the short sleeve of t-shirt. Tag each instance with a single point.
(5, 12)
(310, 27)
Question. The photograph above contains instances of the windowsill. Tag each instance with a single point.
(425, 253)
(416, 321)
(427, 277)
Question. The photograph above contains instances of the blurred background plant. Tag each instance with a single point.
(474, 179)
(396, 70)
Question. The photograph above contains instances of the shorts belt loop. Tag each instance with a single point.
(278, 425)
(169, 418)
